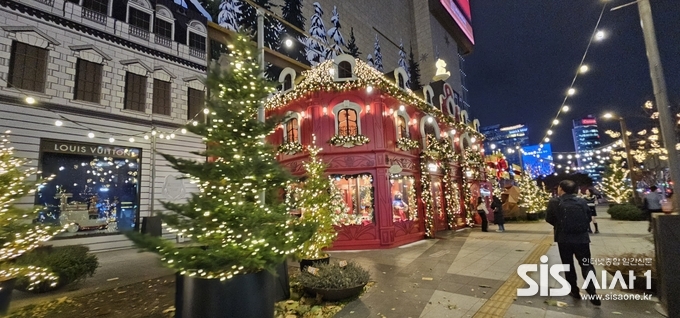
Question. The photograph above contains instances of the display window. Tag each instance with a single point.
(403, 194)
(354, 199)
(89, 193)
(438, 200)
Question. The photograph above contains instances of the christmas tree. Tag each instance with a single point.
(229, 16)
(352, 48)
(377, 55)
(316, 204)
(370, 61)
(18, 234)
(615, 183)
(413, 71)
(232, 230)
(292, 13)
(403, 64)
(531, 196)
(272, 27)
(334, 33)
(316, 50)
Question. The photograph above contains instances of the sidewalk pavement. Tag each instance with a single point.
(460, 274)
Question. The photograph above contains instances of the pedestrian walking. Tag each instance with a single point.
(591, 199)
(497, 206)
(570, 217)
(652, 203)
(483, 211)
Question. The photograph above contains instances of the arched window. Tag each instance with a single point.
(344, 70)
(347, 122)
(287, 82)
(428, 97)
(400, 81)
(292, 131)
(429, 130)
(402, 127)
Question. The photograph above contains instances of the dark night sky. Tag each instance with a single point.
(527, 52)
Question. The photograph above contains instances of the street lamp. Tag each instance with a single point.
(629, 156)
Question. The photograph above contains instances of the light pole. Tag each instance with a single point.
(661, 97)
(629, 156)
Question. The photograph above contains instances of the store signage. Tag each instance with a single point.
(589, 121)
(88, 149)
(460, 18)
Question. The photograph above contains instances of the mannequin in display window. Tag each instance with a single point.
(399, 208)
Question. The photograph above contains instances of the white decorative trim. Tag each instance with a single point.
(399, 71)
(347, 104)
(31, 36)
(475, 124)
(464, 117)
(426, 89)
(136, 66)
(164, 13)
(450, 107)
(423, 122)
(196, 27)
(90, 53)
(344, 58)
(282, 78)
(163, 74)
(195, 82)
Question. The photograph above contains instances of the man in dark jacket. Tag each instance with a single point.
(570, 217)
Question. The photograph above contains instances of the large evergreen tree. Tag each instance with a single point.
(615, 183)
(292, 13)
(377, 55)
(352, 48)
(232, 230)
(414, 71)
(316, 49)
(272, 27)
(230, 14)
(335, 34)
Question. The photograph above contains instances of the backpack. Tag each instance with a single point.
(575, 216)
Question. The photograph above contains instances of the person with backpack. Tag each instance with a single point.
(497, 206)
(570, 217)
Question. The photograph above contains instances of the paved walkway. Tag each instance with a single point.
(473, 274)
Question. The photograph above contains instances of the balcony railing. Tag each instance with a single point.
(47, 2)
(159, 39)
(139, 32)
(93, 15)
(199, 53)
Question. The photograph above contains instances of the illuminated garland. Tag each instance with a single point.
(321, 78)
(472, 165)
(426, 196)
(407, 144)
(412, 199)
(290, 148)
(348, 141)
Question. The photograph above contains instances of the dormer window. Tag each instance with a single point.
(287, 82)
(140, 23)
(428, 97)
(96, 10)
(400, 81)
(164, 27)
(344, 70)
(197, 34)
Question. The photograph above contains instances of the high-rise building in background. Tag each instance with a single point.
(586, 143)
(509, 140)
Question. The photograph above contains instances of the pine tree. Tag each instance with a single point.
(292, 13)
(272, 26)
(232, 231)
(377, 55)
(403, 64)
(18, 234)
(369, 60)
(530, 197)
(316, 205)
(352, 48)
(334, 33)
(615, 183)
(414, 72)
(229, 16)
(316, 50)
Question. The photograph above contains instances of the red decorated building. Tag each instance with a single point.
(407, 164)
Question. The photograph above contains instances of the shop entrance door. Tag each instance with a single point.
(440, 219)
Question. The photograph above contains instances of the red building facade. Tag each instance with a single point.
(407, 164)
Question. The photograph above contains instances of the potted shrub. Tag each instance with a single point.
(316, 204)
(335, 281)
(626, 212)
(235, 239)
(69, 263)
(18, 234)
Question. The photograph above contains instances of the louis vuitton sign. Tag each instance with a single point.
(78, 148)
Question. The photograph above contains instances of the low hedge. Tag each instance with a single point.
(626, 212)
(70, 263)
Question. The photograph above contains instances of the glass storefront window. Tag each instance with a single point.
(438, 199)
(95, 194)
(356, 193)
(403, 194)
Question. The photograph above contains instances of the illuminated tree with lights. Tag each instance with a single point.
(615, 183)
(232, 230)
(531, 196)
(230, 12)
(377, 55)
(316, 204)
(334, 33)
(352, 48)
(18, 234)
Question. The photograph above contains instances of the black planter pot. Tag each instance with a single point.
(532, 216)
(335, 294)
(6, 288)
(313, 262)
(243, 296)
